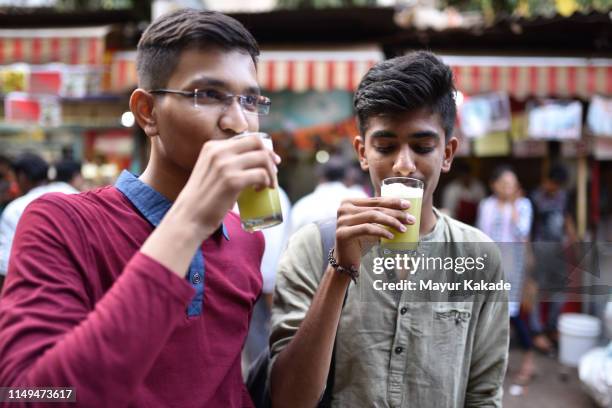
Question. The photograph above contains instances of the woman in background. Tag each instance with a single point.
(506, 216)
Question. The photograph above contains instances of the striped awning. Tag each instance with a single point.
(318, 70)
(523, 77)
(40, 46)
(123, 74)
(297, 71)
(327, 70)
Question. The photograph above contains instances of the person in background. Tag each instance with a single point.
(554, 230)
(324, 201)
(506, 217)
(461, 196)
(31, 172)
(139, 294)
(68, 171)
(8, 187)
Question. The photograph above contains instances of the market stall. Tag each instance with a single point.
(56, 94)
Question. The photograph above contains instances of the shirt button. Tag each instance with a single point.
(403, 310)
(398, 350)
(196, 278)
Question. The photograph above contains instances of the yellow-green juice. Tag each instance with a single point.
(408, 240)
(259, 209)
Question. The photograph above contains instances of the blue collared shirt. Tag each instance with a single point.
(153, 206)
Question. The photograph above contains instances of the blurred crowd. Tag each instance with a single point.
(24, 179)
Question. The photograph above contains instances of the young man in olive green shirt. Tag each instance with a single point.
(392, 350)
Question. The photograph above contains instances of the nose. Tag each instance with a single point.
(404, 162)
(233, 119)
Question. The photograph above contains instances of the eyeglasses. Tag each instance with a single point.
(251, 104)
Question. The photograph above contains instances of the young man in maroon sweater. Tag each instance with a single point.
(140, 294)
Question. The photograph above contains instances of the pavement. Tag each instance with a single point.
(554, 385)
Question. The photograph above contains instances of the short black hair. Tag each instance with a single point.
(558, 174)
(499, 171)
(32, 166)
(168, 36)
(334, 169)
(414, 81)
(66, 169)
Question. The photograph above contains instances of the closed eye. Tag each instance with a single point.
(384, 149)
(423, 149)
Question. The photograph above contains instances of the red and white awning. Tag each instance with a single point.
(41, 46)
(297, 71)
(123, 76)
(327, 70)
(318, 70)
(522, 77)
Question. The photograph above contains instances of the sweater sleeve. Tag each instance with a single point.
(52, 333)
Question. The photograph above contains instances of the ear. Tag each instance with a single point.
(449, 153)
(142, 105)
(359, 146)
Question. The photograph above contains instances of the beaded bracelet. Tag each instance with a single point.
(351, 271)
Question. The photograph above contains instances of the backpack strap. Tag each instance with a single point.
(327, 230)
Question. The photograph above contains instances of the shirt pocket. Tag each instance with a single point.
(450, 328)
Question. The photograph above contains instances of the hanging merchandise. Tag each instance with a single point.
(486, 113)
(45, 79)
(74, 81)
(599, 117)
(43, 110)
(554, 119)
(14, 78)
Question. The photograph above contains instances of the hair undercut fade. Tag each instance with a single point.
(407, 83)
(167, 37)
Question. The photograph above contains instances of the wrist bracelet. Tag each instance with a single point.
(351, 271)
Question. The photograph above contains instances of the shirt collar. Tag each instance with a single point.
(150, 203)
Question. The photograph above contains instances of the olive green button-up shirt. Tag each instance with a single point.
(394, 349)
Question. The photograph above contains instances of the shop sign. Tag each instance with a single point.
(554, 120)
(486, 113)
(599, 117)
